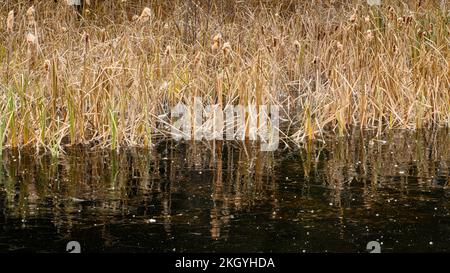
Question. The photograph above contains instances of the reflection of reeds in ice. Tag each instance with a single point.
(165, 183)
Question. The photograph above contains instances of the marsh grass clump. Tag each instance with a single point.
(106, 77)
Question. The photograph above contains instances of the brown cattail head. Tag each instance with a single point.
(392, 14)
(145, 15)
(198, 60)
(47, 65)
(275, 41)
(10, 21)
(407, 19)
(31, 16)
(422, 33)
(86, 38)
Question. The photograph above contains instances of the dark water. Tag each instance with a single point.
(213, 197)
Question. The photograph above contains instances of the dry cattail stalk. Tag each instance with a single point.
(30, 16)
(10, 21)
(145, 15)
(87, 2)
(226, 48)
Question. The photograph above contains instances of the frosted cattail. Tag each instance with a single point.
(297, 45)
(374, 2)
(30, 16)
(226, 48)
(102, 34)
(32, 46)
(217, 40)
(10, 21)
(168, 50)
(369, 35)
(145, 15)
(352, 18)
(31, 39)
(214, 47)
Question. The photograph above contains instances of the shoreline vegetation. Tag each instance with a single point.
(106, 76)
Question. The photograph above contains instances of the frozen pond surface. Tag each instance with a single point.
(214, 197)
